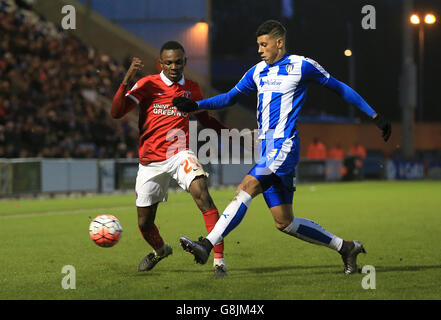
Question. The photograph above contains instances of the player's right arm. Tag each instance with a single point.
(243, 87)
(123, 103)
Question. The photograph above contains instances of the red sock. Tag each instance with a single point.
(211, 216)
(152, 236)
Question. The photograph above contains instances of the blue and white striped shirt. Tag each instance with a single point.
(281, 91)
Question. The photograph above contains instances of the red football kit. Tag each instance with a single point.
(162, 127)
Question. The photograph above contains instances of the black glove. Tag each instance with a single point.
(384, 125)
(185, 104)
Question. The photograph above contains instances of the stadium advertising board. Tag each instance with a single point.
(404, 170)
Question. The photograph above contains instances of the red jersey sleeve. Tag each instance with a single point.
(121, 105)
(139, 91)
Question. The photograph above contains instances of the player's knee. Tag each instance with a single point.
(146, 217)
(200, 194)
(204, 202)
(145, 224)
(281, 225)
(250, 186)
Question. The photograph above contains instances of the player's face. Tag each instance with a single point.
(172, 63)
(270, 48)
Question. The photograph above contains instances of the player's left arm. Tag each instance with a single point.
(352, 97)
(312, 71)
(121, 104)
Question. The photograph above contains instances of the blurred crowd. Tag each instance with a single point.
(55, 93)
(352, 160)
(317, 150)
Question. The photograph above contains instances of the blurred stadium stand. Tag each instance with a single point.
(55, 92)
(63, 82)
(112, 27)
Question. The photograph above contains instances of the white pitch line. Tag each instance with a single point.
(61, 212)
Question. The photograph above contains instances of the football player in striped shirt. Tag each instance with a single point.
(281, 81)
(164, 148)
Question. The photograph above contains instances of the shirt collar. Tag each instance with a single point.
(278, 62)
(168, 82)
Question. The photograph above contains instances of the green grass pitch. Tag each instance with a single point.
(398, 222)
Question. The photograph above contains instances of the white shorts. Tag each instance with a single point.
(152, 180)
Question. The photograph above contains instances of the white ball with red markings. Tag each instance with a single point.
(105, 230)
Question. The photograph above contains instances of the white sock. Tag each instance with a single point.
(219, 262)
(231, 217)
(312, 232)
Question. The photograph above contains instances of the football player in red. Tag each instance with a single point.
(164, 147)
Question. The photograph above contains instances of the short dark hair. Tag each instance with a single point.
(271, 27)
(171, 45)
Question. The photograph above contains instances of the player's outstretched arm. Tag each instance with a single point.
(352, 97)
(214, 103)
(121, 105)
(243, 87)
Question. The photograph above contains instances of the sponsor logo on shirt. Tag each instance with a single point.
(270, 82)
(167, 110)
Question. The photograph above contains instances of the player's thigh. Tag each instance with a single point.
(284, 164)
(186, 168)
(151, 185)
(276, 164)
(279, 199)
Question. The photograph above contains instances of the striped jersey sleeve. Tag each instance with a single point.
(312, 71)
(247, 84)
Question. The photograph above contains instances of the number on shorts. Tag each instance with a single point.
(186, 164)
